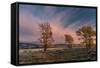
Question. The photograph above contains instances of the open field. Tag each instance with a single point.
(55, 55)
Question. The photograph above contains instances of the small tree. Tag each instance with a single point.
(69, 40)
(86, 34)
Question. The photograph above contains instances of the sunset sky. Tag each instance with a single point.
(63, 20)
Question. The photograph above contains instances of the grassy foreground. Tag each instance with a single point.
(55, 55)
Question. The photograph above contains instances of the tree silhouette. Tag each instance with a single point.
(86, 34)
(69, 40)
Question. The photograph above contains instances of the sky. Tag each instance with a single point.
(63, 20)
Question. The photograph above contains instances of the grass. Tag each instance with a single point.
(54, 55)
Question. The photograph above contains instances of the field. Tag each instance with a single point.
(37, 55)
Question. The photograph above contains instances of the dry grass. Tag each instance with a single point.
(54, 55)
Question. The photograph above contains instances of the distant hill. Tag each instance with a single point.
(29, 45)
(32, 45)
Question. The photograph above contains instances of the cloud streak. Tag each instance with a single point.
(63, 20)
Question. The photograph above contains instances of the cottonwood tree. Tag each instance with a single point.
(46, 38)
(69, 40)
(86, 34)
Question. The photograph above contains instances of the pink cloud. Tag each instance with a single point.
(59, 32)
(30, 24)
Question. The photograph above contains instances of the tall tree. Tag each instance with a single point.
(86, 34)
(69, 40)
(46, 38)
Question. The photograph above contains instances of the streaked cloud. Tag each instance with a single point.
(63, 20)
